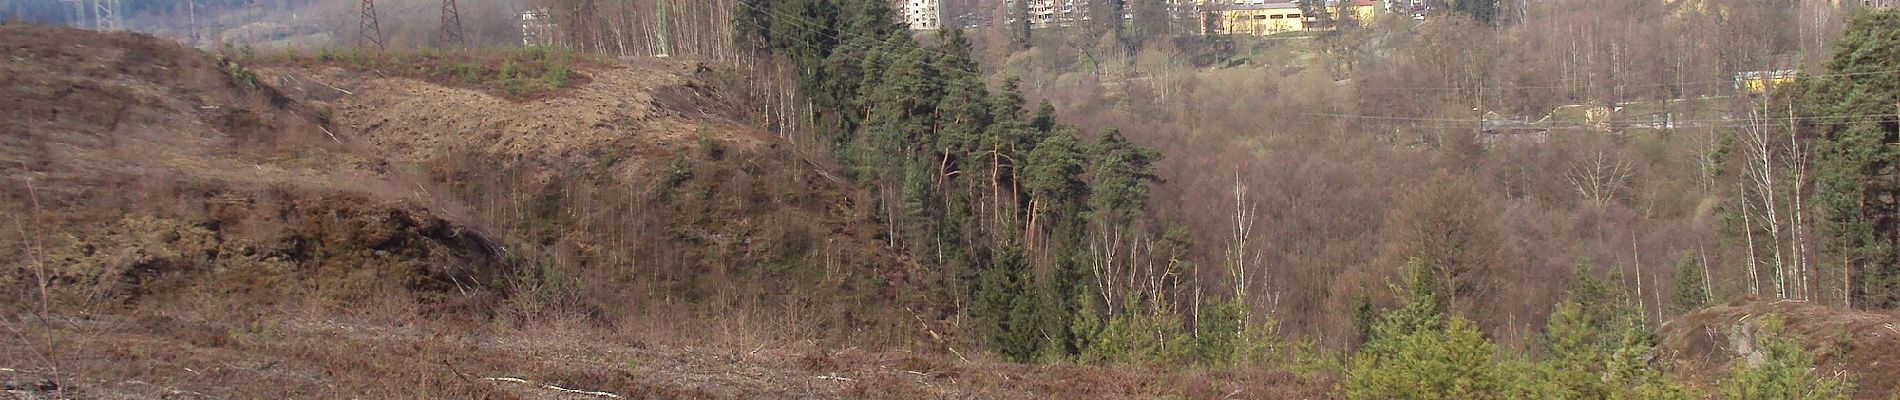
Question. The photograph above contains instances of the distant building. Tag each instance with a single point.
(922, 14)
(1043, 13)
(1051, 13)
(1267, 17)
(1760, 82)
(536, 28)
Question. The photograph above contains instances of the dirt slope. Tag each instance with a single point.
(1865, 344)
(325, 232)
(640, 184)
(136, 167)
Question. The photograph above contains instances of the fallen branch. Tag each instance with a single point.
(326, 131)
(555, 388)
(953, 350)
(334, 88)
(835, 377)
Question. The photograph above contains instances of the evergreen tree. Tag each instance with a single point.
(959, 171)
(1690, 293)
(1572, 355)
(1856, 167)
(1483, 11)
(1045, 119)
(1630, 373)
(1010, 311)
(1596, 347)
(1053, 178)
(1365, 316)
(1448, 361)
(1119, 178)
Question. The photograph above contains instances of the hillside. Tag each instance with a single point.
(137, 168)
(192, 226)
(1862, 344)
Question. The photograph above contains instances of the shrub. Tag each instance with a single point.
(1417, 352)
(558, 75)
(1780, 370)
(471, 72)
(1225, 336)
(676, 173)
(1453, 362)
(509, 70)
(242, 75)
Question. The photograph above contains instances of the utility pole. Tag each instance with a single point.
(662, 52)
(372, 32)
(451, 25)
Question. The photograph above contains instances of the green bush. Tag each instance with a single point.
(472, 72)
(509, 70)
(676, 173)
(242, 75)
(1452, 362)
(1418, 352)
(1782, 371)
(558, 75)
(1225, 336)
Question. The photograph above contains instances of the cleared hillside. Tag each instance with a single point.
(181, 225)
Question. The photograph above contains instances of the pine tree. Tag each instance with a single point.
(1053, 178)
(1572, 355)
(1119, 177)
(1045, 119)
(998, 295)
(1856, 166)
(1449, 362)
(1010, 306)
(1630, 373)
(1690, 293)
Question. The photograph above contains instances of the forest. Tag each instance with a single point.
(1194, 199)
(1342, 192)
(1504, 199)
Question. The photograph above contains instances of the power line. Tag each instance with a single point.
(1826, 120)
(1654, 84)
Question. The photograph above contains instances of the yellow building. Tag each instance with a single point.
(1261, 17)
(1760, 82)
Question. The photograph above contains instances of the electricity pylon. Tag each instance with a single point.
(105, 15)
(451, 24)
(372, 32)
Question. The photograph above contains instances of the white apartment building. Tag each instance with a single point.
(536, 28)
(921, 14)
